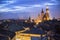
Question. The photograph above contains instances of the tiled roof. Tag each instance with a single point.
(7, 33)
(35, 31)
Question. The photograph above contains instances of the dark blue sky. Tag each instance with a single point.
(25, 8)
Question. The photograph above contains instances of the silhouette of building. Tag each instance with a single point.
(46, 15)
(43, 17)
(30, 19)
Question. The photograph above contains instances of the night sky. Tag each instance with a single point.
(24, 8)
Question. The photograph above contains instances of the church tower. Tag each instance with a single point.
(47, 13)
(42, 14)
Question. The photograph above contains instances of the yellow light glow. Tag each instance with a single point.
(37, 21)
(18, 39)
(25, 20)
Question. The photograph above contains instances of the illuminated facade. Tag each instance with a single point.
(43, 16)
(27, 36)
(24, 35)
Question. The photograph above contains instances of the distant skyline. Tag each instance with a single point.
(25, 8)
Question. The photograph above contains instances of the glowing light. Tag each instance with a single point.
(37, 21)
(27, 28)
(25, 20)
(18, 39)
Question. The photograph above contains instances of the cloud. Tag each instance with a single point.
(49, 4)
(13, 9)
(10, 2)
(6, 7)
(54, 0)
(36, 5)
(7, 3)
(19, 8)
(2, 5)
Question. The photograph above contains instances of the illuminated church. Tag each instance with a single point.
(43, 16)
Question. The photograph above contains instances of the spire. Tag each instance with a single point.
(29, 18)
(47, 12)
(46, 6)
(47, 9)
(42, 11)
(42, 14)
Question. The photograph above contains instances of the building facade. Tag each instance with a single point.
(43, 16)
